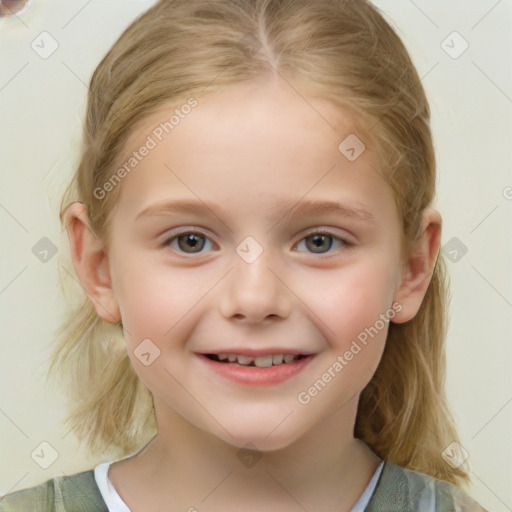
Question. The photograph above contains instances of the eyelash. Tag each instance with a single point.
(343, 242)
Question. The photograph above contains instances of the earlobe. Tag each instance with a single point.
(91, 262)
(419, 267)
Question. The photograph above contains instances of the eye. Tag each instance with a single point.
(189, 242)
(322, 241)
(192, 242)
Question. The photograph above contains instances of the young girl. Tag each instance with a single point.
(252, 215)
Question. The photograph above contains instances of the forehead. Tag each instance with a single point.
(254, 98)
(263, 141)
(275, 110)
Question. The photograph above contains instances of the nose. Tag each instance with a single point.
(255, 292)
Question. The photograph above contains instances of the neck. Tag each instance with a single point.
(184, 460)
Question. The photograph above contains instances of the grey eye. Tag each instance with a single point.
(189, 243)
(319, 243)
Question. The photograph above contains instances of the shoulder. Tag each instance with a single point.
(76, 493)
(399, 489)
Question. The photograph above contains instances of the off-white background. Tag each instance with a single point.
(41, 104)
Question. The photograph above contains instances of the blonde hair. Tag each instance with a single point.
(343, 51)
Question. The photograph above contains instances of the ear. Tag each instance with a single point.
(91, 262)
(419, 267)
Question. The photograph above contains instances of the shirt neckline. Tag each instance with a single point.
(115, 503)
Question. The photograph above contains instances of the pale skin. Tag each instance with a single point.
(244, 153)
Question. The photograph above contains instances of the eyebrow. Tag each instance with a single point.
(291, 210)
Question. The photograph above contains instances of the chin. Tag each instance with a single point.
(262, 437)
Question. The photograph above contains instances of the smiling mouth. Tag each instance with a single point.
(266, 361)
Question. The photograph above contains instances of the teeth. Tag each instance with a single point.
(261, 362)
(245, 360)
(277, 358)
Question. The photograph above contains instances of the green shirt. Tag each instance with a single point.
(397, 490)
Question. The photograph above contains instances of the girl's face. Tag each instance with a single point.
(246, 237)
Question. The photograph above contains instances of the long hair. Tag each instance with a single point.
(340, 50)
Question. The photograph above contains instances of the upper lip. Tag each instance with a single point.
(260, 352)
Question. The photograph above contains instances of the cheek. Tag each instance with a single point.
(352, 299)
(159, 306)
(355, 313)
(155, 298)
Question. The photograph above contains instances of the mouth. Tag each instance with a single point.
(265, 361)
(257, 369)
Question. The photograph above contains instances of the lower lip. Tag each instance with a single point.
(254, 376)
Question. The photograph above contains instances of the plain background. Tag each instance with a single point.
(41, 106)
